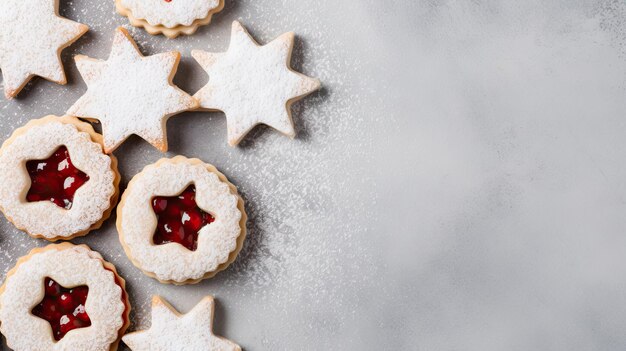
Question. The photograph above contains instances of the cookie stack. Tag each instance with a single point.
(179, 221)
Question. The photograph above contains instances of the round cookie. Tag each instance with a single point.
(169, 17)
(57, 181)
(63, 297)
(181, 221)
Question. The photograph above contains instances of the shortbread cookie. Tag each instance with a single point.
(253, 84)
(32, 36)
(172, 331)
(57, 182)
(181, 221)
(169, 17)
(63, 297)
(131, 94)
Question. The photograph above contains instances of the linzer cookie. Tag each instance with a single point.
(32, 36)
(63, 297)
(181, 221)
(169, 17)
(253, 84)
(131, 94)
(57, 182)
(172, 331)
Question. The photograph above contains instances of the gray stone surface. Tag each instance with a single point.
(458, 184)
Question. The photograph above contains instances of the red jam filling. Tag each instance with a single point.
(55, 179)
(63, 308)
(179, 219)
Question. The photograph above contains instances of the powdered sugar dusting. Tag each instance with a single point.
(44, 218)
(305, 277)
(68, 265)
(170, 13)
(173, 262)
(253, 84)
(169, 328)
(305, 266)
(131, 94)
(31, 37)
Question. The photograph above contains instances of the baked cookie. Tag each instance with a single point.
(63, 297)
(57, 183)
(253, 84)
(131, 94)
(169, 17)
(180, 221)
(32, 36)
(194, 330)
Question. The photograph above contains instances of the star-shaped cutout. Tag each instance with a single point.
(55, 179)
(253, 84)
(32, 36)
(63, 308)
(172, 331)
(131, 94)
(179, 219)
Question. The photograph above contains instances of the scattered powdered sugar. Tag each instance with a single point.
(306, 269)
(170, 13)
(305, 253)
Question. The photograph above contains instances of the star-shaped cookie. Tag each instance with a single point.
(253, 84)
(32, 36)
(131, 94)
(172, 331)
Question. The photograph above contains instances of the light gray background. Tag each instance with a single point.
(458, 184)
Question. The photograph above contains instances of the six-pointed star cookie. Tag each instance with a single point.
(32, 36)
(172, 331)
(253, 84)
(130, 93)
